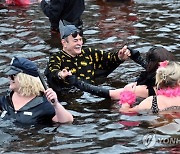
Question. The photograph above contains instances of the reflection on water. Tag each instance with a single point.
(98, 126)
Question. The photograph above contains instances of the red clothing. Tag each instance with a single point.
(18, 2)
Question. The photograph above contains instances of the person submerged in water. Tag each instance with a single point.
(168, 91)
(145, 84)
(87, 64)
(27, 102)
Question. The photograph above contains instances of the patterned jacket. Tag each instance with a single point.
(87, 66)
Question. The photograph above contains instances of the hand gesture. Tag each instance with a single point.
(64, 73)
(124, 53)
(51, 95)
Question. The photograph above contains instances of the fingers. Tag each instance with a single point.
(50, 94)
(121, 51)
(64, 73)
(124, 53)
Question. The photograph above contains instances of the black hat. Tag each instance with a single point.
(20, 64)
(66, 30)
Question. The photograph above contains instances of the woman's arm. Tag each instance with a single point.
(115, 94)
(144, 105)
(62, 115)
(140, 91)
(136, 57)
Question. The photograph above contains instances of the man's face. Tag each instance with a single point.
(73, 45)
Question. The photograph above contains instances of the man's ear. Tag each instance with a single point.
(63, 42)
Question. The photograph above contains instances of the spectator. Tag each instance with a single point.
(69, 11)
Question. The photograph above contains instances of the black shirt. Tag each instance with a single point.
(69, 10)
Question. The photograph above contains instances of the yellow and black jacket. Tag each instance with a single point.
(87, 66)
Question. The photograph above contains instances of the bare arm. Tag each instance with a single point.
(115, 94)
(62, 115)
(144, 105)
(140, 91)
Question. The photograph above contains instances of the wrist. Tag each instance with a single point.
(134, 53)
(55, 104)
(125, 106)
(128, 97)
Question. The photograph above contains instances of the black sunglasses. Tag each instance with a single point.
(74, 34)
(12, 76)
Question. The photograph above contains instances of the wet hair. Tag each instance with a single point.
(155, 55)
(29, 85)
(168, 76)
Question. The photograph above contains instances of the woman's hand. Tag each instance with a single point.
(130, 87)
(124, 53)
(51, 96)
(62, 115)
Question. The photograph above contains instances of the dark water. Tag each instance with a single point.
(98, 126)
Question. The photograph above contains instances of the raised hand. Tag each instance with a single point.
(124, 53)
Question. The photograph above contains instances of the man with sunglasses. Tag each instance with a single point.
(87, 64)
(69, 11)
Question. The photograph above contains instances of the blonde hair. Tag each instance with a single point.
(168, 76)
(29, 85)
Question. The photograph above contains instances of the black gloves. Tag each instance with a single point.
(95, 90)
(135, 55)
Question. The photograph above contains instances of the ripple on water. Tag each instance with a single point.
(97, 128)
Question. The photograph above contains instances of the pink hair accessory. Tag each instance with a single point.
(164, 63)
(127, 97)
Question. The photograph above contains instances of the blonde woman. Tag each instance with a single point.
(168, 90)
(26, 102)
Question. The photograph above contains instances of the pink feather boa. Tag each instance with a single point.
(127, 97)
(169, 92)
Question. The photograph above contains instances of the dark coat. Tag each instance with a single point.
(37, 111)
(68, 10)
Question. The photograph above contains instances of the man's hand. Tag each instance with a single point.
(124, 53)
(64, 73)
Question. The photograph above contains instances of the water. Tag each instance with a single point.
(98, 126)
